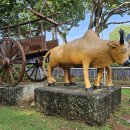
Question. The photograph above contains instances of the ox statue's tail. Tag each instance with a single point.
(45, 57)
(44, 70)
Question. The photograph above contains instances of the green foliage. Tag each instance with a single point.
(126, 92)
(102, 11)
(114, 35)
(115, 65)
(9, 11)
(15, 11)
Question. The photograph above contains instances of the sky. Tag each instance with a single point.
(77, 32)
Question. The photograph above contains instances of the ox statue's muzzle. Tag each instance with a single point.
(127, 62)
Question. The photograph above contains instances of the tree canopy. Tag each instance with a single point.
(100, 11)
(114, 35)
(14, 11)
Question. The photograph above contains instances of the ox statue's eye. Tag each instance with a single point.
(124, 50)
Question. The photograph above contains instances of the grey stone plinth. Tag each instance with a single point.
(75, 103)
(19, 95)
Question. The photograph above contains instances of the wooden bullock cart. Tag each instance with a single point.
(20, 55)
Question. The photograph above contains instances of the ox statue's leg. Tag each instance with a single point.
(86, 77)
(50, 79)
(71, 79)
(109, 78)
(66, 76)
(98, 78)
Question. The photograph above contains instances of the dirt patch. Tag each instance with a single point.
(120, 127)
(126, 117)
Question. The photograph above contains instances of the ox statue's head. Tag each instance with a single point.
(119, 50)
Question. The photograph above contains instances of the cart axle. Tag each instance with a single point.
(6, 61)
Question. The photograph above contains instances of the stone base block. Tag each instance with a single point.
(75, 103)
(19, 95)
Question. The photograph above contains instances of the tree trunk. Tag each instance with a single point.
(63, 36)
(91, 22)
(97, 29)
(91, 19)
(53, 35)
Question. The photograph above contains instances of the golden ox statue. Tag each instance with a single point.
(87, 51)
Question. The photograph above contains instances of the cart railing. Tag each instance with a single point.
(32, 43)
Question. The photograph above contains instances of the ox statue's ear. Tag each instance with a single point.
(113, 44)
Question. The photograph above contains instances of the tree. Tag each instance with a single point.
(74, 10)
(5, 9)
(114, 35)
(102, 10)
(69, 10)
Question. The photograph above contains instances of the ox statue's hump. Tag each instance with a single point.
(91, 36)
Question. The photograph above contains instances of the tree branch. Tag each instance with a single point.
(101, 20)
(117, 22)
(120, 6)
(63, 36)
(121, 12)
(43, 5)
(72, 23)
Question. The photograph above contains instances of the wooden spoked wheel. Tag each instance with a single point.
(12, 62)
(34, 70)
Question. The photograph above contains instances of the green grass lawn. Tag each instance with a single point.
(126, 92)
(13, 118)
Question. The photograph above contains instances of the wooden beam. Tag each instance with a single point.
(31, 21)
(44, 17)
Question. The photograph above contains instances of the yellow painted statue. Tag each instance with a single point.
(87, 51)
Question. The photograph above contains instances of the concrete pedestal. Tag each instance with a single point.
(19, 95)
(75, 103)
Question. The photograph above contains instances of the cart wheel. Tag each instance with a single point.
(12, 62)
(34, 70)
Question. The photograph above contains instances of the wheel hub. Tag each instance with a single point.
(38, 62)
(6, 61)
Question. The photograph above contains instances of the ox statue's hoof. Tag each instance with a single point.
(50, 84)
(96, 87)
(73, 84)
(89, 89)
(67, 84)
(110, 87)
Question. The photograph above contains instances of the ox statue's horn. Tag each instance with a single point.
(121, 32)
